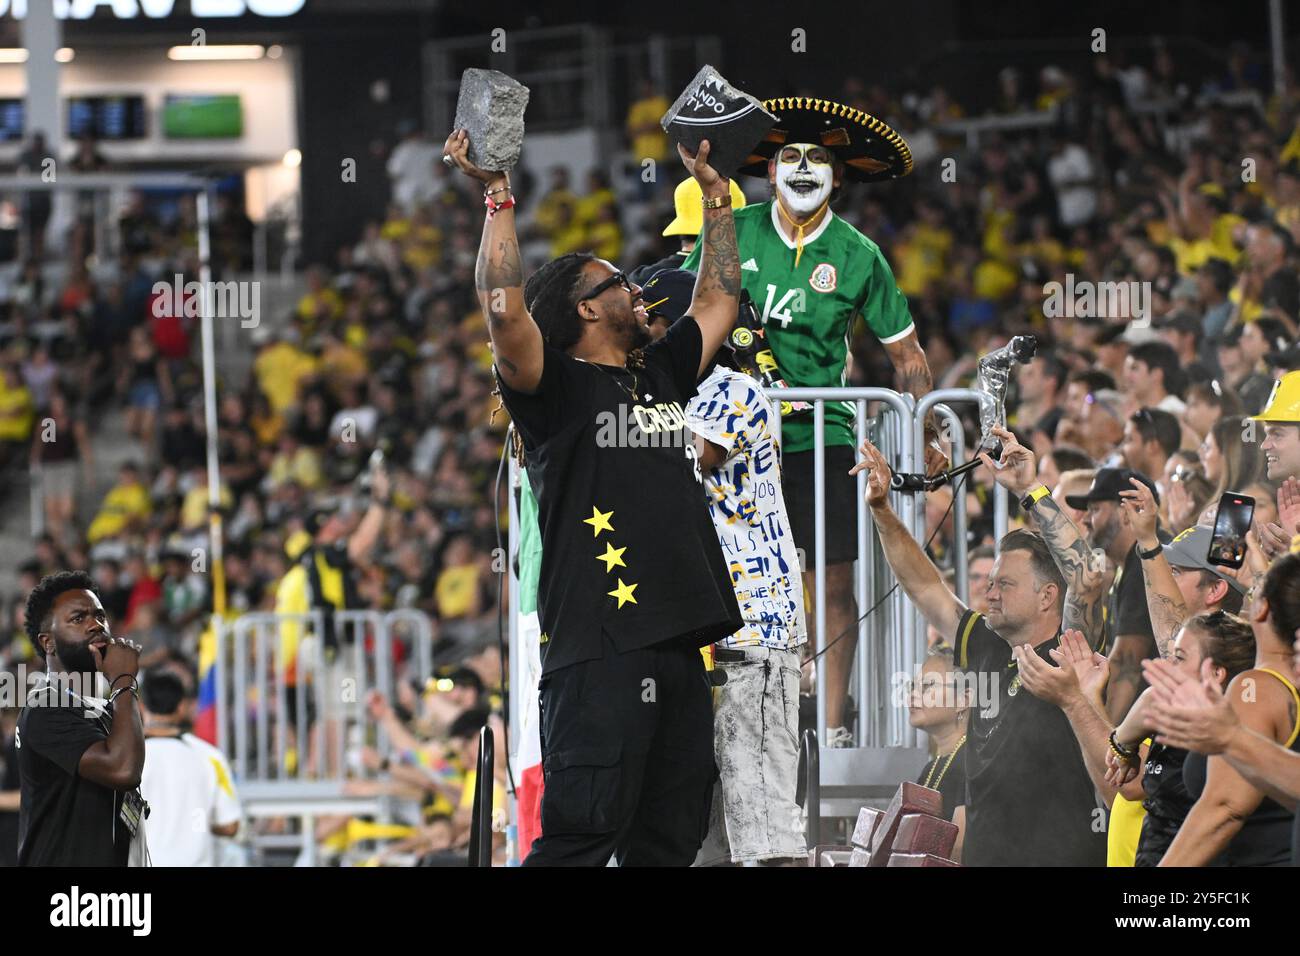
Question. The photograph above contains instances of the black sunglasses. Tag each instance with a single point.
(618, 278)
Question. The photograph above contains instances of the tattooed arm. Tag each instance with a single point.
(911, 366)
(1084, 569)
(499, 279)
(1165, 603)
(717, 286)
(913, 372)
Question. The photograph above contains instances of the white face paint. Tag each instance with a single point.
(804, 178)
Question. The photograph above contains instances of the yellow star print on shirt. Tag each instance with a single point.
(612, 557)
(623, 592)
(599, 521)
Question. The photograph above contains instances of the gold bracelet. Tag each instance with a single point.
(718, 202)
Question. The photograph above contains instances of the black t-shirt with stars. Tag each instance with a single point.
(1029, 800)
(628, 549)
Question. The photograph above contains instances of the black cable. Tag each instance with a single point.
(858, 623)
(501, 615)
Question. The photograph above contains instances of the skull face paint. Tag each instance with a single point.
(804, 178)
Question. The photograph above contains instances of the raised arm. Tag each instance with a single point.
(1164, 601)
(916, 573)
(717, 283)
(117, 762)
(499, 279)
(1084, 569)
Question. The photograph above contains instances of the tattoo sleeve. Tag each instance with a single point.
(913, 371)
(1125, 676)
(499, 280)
(719, 256)
(1164, 602)
(1083, 570)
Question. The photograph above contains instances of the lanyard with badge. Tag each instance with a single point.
(133, 808)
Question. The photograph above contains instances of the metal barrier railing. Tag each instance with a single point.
(297, 722)
(891, 639)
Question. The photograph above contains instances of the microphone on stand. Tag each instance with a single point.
(899, 482)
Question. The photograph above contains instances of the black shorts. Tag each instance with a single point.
(841, 504)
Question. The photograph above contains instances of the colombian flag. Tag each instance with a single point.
(205, 720)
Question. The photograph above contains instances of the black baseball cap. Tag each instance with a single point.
(1107, 485)
(667, 294)
(1287, 358)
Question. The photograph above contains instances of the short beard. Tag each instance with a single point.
(632, 333)
(76, 657)
(1104, 537)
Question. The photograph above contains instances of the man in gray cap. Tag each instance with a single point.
(1180, 581)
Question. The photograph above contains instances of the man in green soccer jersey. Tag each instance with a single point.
(810, 275)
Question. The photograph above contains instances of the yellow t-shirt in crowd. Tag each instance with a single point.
(16, 412)
(303, 467)
(326, 301)
(923, 258)
(605, 240)
(654, 143)
(588, 208)
(279, 370)
(456, 589)
(550, 211)
(121, 505)
(194, 507)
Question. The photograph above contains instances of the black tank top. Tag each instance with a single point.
(62, 445)
(1265, 837)
(1167, 802)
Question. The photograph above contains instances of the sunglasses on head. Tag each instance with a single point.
(618, 278)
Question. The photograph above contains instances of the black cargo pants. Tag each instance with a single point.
(627, 755)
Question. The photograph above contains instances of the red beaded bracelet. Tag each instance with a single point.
(493, 207)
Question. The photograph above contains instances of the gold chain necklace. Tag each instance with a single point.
(632, 393)
(936, 783)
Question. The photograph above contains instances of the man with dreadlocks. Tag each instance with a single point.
(810, 275)
(632, 580)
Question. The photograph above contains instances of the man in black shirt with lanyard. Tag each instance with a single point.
(80, 758)
(1029, 801)
(632, 579)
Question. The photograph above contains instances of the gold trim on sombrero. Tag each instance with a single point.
(838, 137)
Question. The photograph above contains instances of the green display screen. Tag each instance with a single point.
(202, 117)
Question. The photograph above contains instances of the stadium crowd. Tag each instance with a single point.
(1195, 210)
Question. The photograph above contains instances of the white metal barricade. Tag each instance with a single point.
(268, 717)
(891, 638)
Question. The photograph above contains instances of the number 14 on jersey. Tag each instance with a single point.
(791, 301)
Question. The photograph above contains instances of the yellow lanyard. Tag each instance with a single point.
(799, 227)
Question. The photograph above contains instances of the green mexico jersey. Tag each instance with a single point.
(808, 310)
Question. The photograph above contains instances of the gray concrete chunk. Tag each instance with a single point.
(491, 109)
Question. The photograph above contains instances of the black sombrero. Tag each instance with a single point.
(869, 148)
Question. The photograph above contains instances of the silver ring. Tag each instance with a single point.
(448, 161)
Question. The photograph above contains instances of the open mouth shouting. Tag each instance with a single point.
(803, 184)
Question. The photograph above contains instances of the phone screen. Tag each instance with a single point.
(1232, 521)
